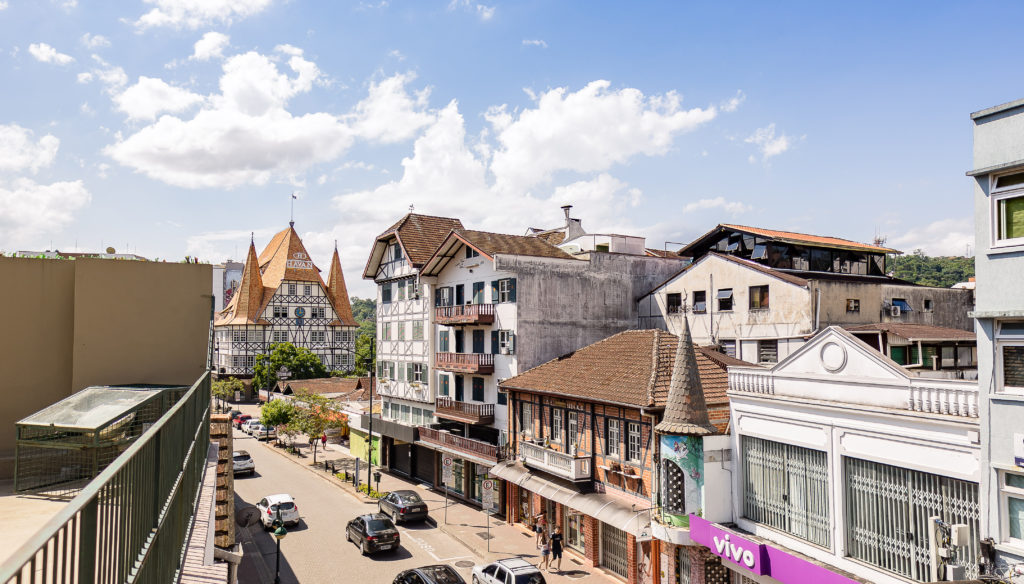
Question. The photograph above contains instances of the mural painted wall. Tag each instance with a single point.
(682, 472)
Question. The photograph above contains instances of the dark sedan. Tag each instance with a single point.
(373, 533)
(438, 574)
(404, 506)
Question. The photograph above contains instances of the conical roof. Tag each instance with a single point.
(285, 258)
(338, 293)
(685, 412)
(245, 306)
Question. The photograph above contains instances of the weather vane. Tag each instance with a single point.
(291, 220)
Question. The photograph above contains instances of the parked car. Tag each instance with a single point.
(262, 432)
(508, 571)
(403, 506)
(271, 505)
(373, 533)
(234, 414)
(241, 420)
(243, 462)
(248, 424)
(438, 574)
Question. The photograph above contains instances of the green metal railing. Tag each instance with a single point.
(131, 523)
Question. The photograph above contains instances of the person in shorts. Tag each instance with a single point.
(545, 552)
(540, 526)
(556, 548)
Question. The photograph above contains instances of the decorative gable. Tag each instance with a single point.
(838, 354)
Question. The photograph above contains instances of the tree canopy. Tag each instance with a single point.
(939, 271)
(300, 362)
(278, 412)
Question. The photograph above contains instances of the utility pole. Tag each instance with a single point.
(369, 438)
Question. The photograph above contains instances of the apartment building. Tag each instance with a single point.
(281, 298)
(759, 294)
(998, 178)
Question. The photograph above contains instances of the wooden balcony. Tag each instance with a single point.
(560, 464)
(466, 314)
(458, 444)
(446, 407)
(465, 362)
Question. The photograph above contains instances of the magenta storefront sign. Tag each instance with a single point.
(762, 559)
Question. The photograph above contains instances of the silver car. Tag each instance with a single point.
(242, 462)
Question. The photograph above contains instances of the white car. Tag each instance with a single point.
(274, 507)
(242, 462)
(246, 427)
(508, 571)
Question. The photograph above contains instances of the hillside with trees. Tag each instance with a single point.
(365, 312)
(943, 272)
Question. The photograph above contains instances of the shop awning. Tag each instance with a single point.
(604, 508)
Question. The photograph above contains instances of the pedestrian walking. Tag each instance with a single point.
(323, 441)
(556, 548)
(545, 551)
(540, 526)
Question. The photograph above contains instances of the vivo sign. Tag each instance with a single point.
(739, 550)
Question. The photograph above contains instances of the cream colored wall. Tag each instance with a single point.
(73, 324)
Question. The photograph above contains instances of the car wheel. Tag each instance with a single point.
(348, 536)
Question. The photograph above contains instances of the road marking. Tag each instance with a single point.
(428, 548)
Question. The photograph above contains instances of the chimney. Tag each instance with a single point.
(566, 209)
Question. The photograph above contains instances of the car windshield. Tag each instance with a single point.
(242, 457)
(411, 498)
(535, 578)
(443, 575)
(286, 506)
(379, 525)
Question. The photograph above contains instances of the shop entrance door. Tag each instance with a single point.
(574, 532)
(614, 544)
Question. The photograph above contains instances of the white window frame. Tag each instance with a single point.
(292, 289)
(279, 336)
(506, 342)
(318, 312)
(634, 438)
(1007, 492)
(613, 437)
(307, 290)
(318, 336)
(280, 311)
(417, 373)
(400, 330)
(504, 290)
(996, 196)
(527, 409)
(557, 425)
(1004, 339)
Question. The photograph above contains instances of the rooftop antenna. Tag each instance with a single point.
(291, 221)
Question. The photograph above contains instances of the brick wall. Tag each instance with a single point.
(220, 432)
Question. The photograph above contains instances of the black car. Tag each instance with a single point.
(373, 533)
(437, 574)
(403, 506)
(235, 413)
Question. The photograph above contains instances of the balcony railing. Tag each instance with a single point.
(459, 444)
(446, 407)
(465, 314)
(465, 362)
(556, 463)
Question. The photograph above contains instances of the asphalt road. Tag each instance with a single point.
(315, 550)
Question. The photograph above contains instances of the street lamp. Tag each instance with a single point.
(279, 534)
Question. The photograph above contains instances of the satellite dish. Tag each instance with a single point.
(111, 250)
(247, 517)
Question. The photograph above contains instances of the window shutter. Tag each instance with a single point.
(425, 371)
(511, 342)
(410, 375)
(511, 289)
(437, 297)
(494, 342)
(494, 291)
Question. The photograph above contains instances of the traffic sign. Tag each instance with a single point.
(448, 471)
(488, 494)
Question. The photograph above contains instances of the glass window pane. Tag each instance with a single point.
(1010, 180)
(1015, 480)
(1015, 517)
(1013, 366)
(1010, 220)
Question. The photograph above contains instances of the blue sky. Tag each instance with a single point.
(177, 127)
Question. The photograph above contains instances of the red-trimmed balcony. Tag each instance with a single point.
(446, 407)
(454, 443)
(465, 362)
(465, 314)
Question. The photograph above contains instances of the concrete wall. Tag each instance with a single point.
(72, 324)
(950, 307)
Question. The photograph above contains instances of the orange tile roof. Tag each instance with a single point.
(632, 368)
(808, 239)
(493, 244)
(245, 305)
(420, 235)
(285, 258)
(338, 293)
(913, 332)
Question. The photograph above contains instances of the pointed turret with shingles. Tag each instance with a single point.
(248, 301)
(338, 292)
(685, 412)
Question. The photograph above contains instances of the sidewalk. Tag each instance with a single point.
(465, 524)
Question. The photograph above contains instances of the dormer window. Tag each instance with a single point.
(471, 253)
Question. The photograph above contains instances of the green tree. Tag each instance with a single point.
(315, 416)
(224, 389)
(300, 362)
(943, 272)
(365, 361)
(278, 412)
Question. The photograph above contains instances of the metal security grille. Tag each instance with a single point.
(613, 550)
(887, 511)
(683, 566)
(738, 578)
(786, 487)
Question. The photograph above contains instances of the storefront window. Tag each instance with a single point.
(479, 474)
(459, 480)
(574, 532)
(525, 511)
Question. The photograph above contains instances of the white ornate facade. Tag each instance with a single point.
(283, 299)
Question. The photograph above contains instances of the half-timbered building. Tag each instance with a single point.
(282, 298)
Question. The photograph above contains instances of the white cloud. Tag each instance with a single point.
(483, 11)
(19, 152)
(113, 78)
(3, 5)
(194, 14)
(149, 97)
(220, 245)
(211, 45)
(396, 54)
(69, 5)
(732, 207)
(28, 208)
(93, 42)
(47, 54)
(388, 114)
(86, 109)
(574, 131)
(535, 43)
(946, 237)
(734, 103)
(244, 135)
(768, 143)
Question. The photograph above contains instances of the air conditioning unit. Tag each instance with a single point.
(894, 310)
